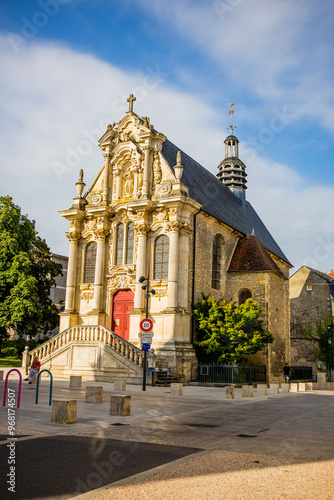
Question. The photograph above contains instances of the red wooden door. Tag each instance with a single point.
(123, 302)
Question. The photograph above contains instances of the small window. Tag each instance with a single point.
(161, 258)
(129, 244)
(119, 245)
(90, 261)
(309, 288)
(216, 260)
(244, 295)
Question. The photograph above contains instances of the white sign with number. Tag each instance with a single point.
(146, 325)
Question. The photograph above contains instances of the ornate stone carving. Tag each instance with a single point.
(100, 234)
(96, 199)
(157, 172)
(175, 226)
(142, 229)
(128, 184)
(89, 224)
(124, 218)
(73, 223)
(100, 220)
(164, 188)
(120, 281)
(161, 215)
(73, 236)
(87, 296)
(187, 228)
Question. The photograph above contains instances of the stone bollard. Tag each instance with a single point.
(75, 380)
(176, 389)
(120, 406)
(229, 392)
(328, 386)
(274, 389)
(261, 389)
(247, 391)
(64, 411)
(294, 387)
(315, 386)
(308, 386)
(94, 394)
(1, 375)
(120, 384)
(34, 379)
(301, 387)
(321, 379)
(285, 388)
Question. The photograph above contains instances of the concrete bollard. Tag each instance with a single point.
(247, 391)
(94, 394)
(261, 389)
(321, 379)
(285, 388)
(294, 387)
(176, 389)
(75, 380)
(1, 375)
(274, 389)
(64, 411)
(301, 387)
(120, 406)
(308, 386)
(229, 392)
(120, 384)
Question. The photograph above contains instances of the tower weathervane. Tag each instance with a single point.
(231, 112)
(130, 100)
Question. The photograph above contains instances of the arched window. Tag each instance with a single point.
(129, 244)
(216, 262)
(119, 245)
(244, 295)
(161, 257)
(90, 261)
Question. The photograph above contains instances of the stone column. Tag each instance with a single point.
(173, 265)
(106, 157)
(74, 237)
(117, 173)
(99, 268)
(141, 231)
(146, 179)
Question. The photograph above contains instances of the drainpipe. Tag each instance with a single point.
(193, 282)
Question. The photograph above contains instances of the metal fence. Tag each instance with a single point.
(301, 372)
(230, 374)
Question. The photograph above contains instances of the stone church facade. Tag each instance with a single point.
(153, 209)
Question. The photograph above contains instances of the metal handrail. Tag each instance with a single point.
(20, 387)
(37, 385)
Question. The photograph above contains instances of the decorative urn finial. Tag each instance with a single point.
(178, 169)
(80, 184)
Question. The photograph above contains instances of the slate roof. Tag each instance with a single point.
(329, 279)
(218, 200)
(250, 255)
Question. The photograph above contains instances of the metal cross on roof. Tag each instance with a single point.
(231, 112)
(130, 101)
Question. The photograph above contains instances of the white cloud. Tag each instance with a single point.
(51, 97)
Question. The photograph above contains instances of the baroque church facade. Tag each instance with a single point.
(153, 209)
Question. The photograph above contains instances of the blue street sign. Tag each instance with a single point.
(146, 347)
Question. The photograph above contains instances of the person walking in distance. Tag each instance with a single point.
(287, 372)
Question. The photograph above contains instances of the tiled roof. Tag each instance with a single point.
(218, 200)
(250, 255)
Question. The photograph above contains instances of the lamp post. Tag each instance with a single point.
(147, 296)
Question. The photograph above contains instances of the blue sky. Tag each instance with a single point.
(68, 66)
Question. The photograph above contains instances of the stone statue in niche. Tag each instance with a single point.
(128, 184)
(140, 181)
(157, 173)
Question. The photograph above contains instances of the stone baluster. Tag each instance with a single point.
(74, 238)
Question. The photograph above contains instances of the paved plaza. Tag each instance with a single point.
(198, 445)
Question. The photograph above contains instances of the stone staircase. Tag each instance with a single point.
(94, 352)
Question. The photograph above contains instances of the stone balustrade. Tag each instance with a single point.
(86, 333)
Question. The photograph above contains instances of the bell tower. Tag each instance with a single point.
(231, 171)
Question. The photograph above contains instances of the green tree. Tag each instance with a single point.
(226, 332)
(323, 341)
(26, 274)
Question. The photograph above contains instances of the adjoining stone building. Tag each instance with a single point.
(311, 301)
(152, 208)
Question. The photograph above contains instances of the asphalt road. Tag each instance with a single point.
(60, 467)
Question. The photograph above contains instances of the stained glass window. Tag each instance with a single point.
(216, 259)
(119, 245)
(129, 244)
(90, 261)
(161, 257)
